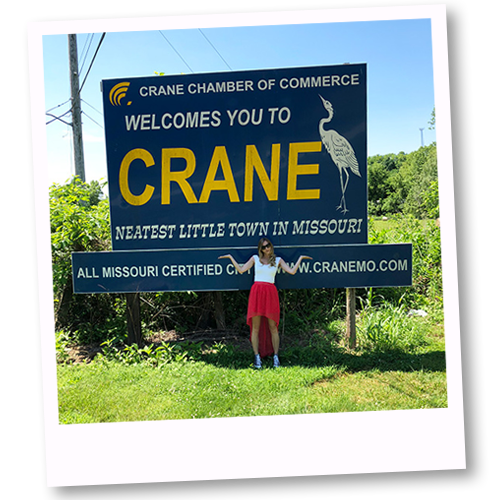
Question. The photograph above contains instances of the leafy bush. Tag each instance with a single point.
(63, 340)
(79, 221)
(157, 356)
(425, 237)
(390, 327)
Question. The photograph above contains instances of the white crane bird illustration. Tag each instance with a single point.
(340, 151)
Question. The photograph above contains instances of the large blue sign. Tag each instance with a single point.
(219, 160)
(200, 164)
(342, 266)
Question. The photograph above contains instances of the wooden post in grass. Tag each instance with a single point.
(351, 317)
(133, 319)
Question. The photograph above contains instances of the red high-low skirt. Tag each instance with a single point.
(264, 301)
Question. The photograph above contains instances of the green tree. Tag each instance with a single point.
(79, 221)
(383, 193)
(404, 183)
(419, 172)
(378, 177)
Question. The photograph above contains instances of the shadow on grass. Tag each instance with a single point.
(351, 361)
(314, 352)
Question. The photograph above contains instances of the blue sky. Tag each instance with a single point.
(398, 54)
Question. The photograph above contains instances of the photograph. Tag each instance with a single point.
(246, 231)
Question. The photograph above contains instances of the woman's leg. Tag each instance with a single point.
(255, 334)
(275, 338)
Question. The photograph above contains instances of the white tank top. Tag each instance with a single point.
(265, 272)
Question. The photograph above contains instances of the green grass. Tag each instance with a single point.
(225, 385)
(119, 393)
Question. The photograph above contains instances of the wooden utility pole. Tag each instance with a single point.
(76, 110)
(351, 317)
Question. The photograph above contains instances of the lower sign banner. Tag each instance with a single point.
(342, 266)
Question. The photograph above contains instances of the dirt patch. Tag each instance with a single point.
(82, 353)
(208, 338)
(240, 341)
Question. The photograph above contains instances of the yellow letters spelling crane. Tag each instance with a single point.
(220, 159)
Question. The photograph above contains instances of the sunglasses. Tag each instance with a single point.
(265, 246)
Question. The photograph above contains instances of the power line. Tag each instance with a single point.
(58, 106)
(79, 91)
(167, 40)
(86, 51)
(92, 62)
(184, 61)
(88, 104)
(206, 38)
(54, 118)
(58, 118)
(88, 116)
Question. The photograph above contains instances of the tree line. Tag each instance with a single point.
(404, 183)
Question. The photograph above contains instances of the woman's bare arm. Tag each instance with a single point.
(295, 268)
(240, 269)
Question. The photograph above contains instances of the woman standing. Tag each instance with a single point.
(263, 304)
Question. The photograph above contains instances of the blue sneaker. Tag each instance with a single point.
(276, 361)
(257, 362)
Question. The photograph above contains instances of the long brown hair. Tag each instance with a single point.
(272, 257)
